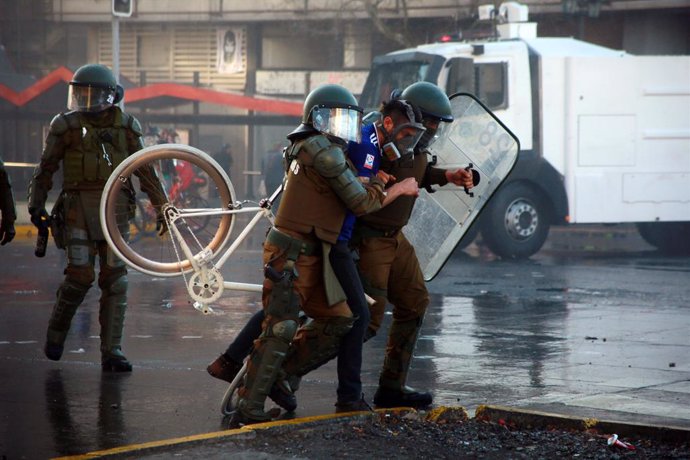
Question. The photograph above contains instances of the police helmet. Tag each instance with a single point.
(430, 99)
(93, 88)
(333, 110)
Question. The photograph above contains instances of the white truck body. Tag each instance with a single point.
(617, 127)
(610, 129)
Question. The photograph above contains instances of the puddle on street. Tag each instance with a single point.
(469, 341)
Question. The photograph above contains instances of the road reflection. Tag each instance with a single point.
(520, 332)
(71, 417)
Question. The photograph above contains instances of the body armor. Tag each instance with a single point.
(318, 182)
(89, 162)
(6, 197)
(88, 147)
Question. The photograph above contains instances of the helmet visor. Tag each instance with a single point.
(434, 129)
(344, 123)
(84, 98)
(407, 135)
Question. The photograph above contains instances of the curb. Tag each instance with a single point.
(512, 417)
(24, 231)
(278, 425)
(532, 419)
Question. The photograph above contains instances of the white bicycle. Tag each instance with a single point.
(188, 249)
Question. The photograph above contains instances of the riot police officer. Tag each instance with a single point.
(320, 188)
(388, 264)
(8, 213)
(88, 142)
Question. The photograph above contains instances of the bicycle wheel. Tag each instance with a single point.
(153, 169)
(194, 201)
(144, 221)
(229, 404)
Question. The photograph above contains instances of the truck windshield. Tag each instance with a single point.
(385, 77)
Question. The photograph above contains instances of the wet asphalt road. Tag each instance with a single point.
(592, 325)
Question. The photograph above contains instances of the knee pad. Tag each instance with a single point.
(317, 343)
(113, 280)
(80, 276)
(72, 289)
(284, 330)
(338, 327)
(119, 286)
(283, 301)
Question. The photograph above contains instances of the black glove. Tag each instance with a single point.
(7, 231)
(39, 217)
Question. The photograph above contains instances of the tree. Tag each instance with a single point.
(399, 34)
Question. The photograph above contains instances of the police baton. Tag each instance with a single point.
(42, 238)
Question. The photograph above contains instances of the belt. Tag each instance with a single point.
(366, 231)
(283, 241)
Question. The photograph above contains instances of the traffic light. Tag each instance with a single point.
(123, 8)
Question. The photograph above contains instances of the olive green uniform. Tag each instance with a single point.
(320, 187)
(88, 147)
(390, 270)
(7, 209)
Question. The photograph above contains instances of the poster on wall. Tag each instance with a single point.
(231, 50)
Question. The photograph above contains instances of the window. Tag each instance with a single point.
(491, 84)
(384, 78)
(460, 76)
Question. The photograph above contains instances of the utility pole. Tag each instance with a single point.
(116, 54)
(120, 9)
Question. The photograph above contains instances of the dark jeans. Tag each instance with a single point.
(242, 345)
(350, 353)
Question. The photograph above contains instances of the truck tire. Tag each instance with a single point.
(516, 223)
(671, 238)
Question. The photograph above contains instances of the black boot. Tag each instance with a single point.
(358, 405)
(282, 395)
(115, 363)
(407, 397)
(53, 350)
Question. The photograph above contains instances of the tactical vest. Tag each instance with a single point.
(396, 214)
(309, 205)
(94, 151)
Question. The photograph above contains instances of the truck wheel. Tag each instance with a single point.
(516, 223)
(669, 237)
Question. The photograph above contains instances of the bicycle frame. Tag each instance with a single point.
(204, 261)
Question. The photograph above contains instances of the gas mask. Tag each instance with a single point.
(400, 144)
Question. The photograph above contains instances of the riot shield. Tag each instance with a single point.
(440, 219)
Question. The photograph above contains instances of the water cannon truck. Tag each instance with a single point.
(604, 134)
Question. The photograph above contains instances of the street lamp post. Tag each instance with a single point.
(120, 9)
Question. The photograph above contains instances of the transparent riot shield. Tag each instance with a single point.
(440, 219)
